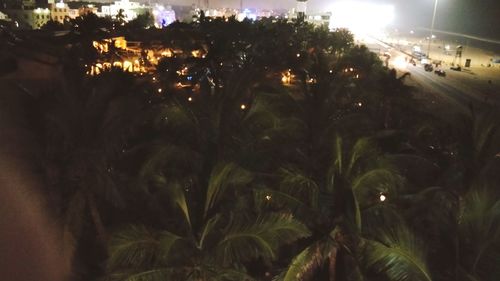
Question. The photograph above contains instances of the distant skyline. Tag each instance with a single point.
(478, 17)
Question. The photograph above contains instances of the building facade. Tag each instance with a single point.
(30, 18)
(60, 12)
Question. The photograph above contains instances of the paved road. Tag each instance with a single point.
(462, 89)
(453, 88)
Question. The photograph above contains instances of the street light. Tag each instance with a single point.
(432, 28)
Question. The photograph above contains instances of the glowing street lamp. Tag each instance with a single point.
(382, 198)
(432, 28)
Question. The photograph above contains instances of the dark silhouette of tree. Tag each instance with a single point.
(84, 125)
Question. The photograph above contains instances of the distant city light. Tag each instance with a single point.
(159, 90)
(243, 107)
(268, 197)
(361, 17)
(190, 99)
(246, 14)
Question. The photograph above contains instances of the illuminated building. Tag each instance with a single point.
(30, 18)
(28, 4)
(163, 15)
(129, 9)
(319, 18)
(87, 9)
(60, 11)
(301, 9)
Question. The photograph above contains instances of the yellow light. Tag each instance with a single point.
(382, 198)
(331, 71)
(351, 69)
(243, 107)
(298, 55)
(360, 104)
(196, 53)
(268, 197)
(127, 66)
(190, 99)
(154, 78)
(167, 53)
(159, 90)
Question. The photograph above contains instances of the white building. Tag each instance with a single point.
(129, 9)
(319, 18)
(60, 11)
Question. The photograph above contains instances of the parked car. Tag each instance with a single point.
(440, 72)
(428, 67)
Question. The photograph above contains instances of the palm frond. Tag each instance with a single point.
(368, 185)
(138, 247)
(308, 261)
(207, 229)
(157, 274)
(270, 197)
(232, 275)
(362, 149)
(177, 119)
(178, 198)
(296, 183)
(222, 177)
(167, 156)
(480, 231)
(262, 238)
(398, 254)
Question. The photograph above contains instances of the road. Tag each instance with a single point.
(457, 87)
(463, 89)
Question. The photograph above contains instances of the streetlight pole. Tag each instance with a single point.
(432, 28)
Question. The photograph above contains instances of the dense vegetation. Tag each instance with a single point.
(341, 175)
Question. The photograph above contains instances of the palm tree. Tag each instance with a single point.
(354, 181)
(461, 208)
(213, 236)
